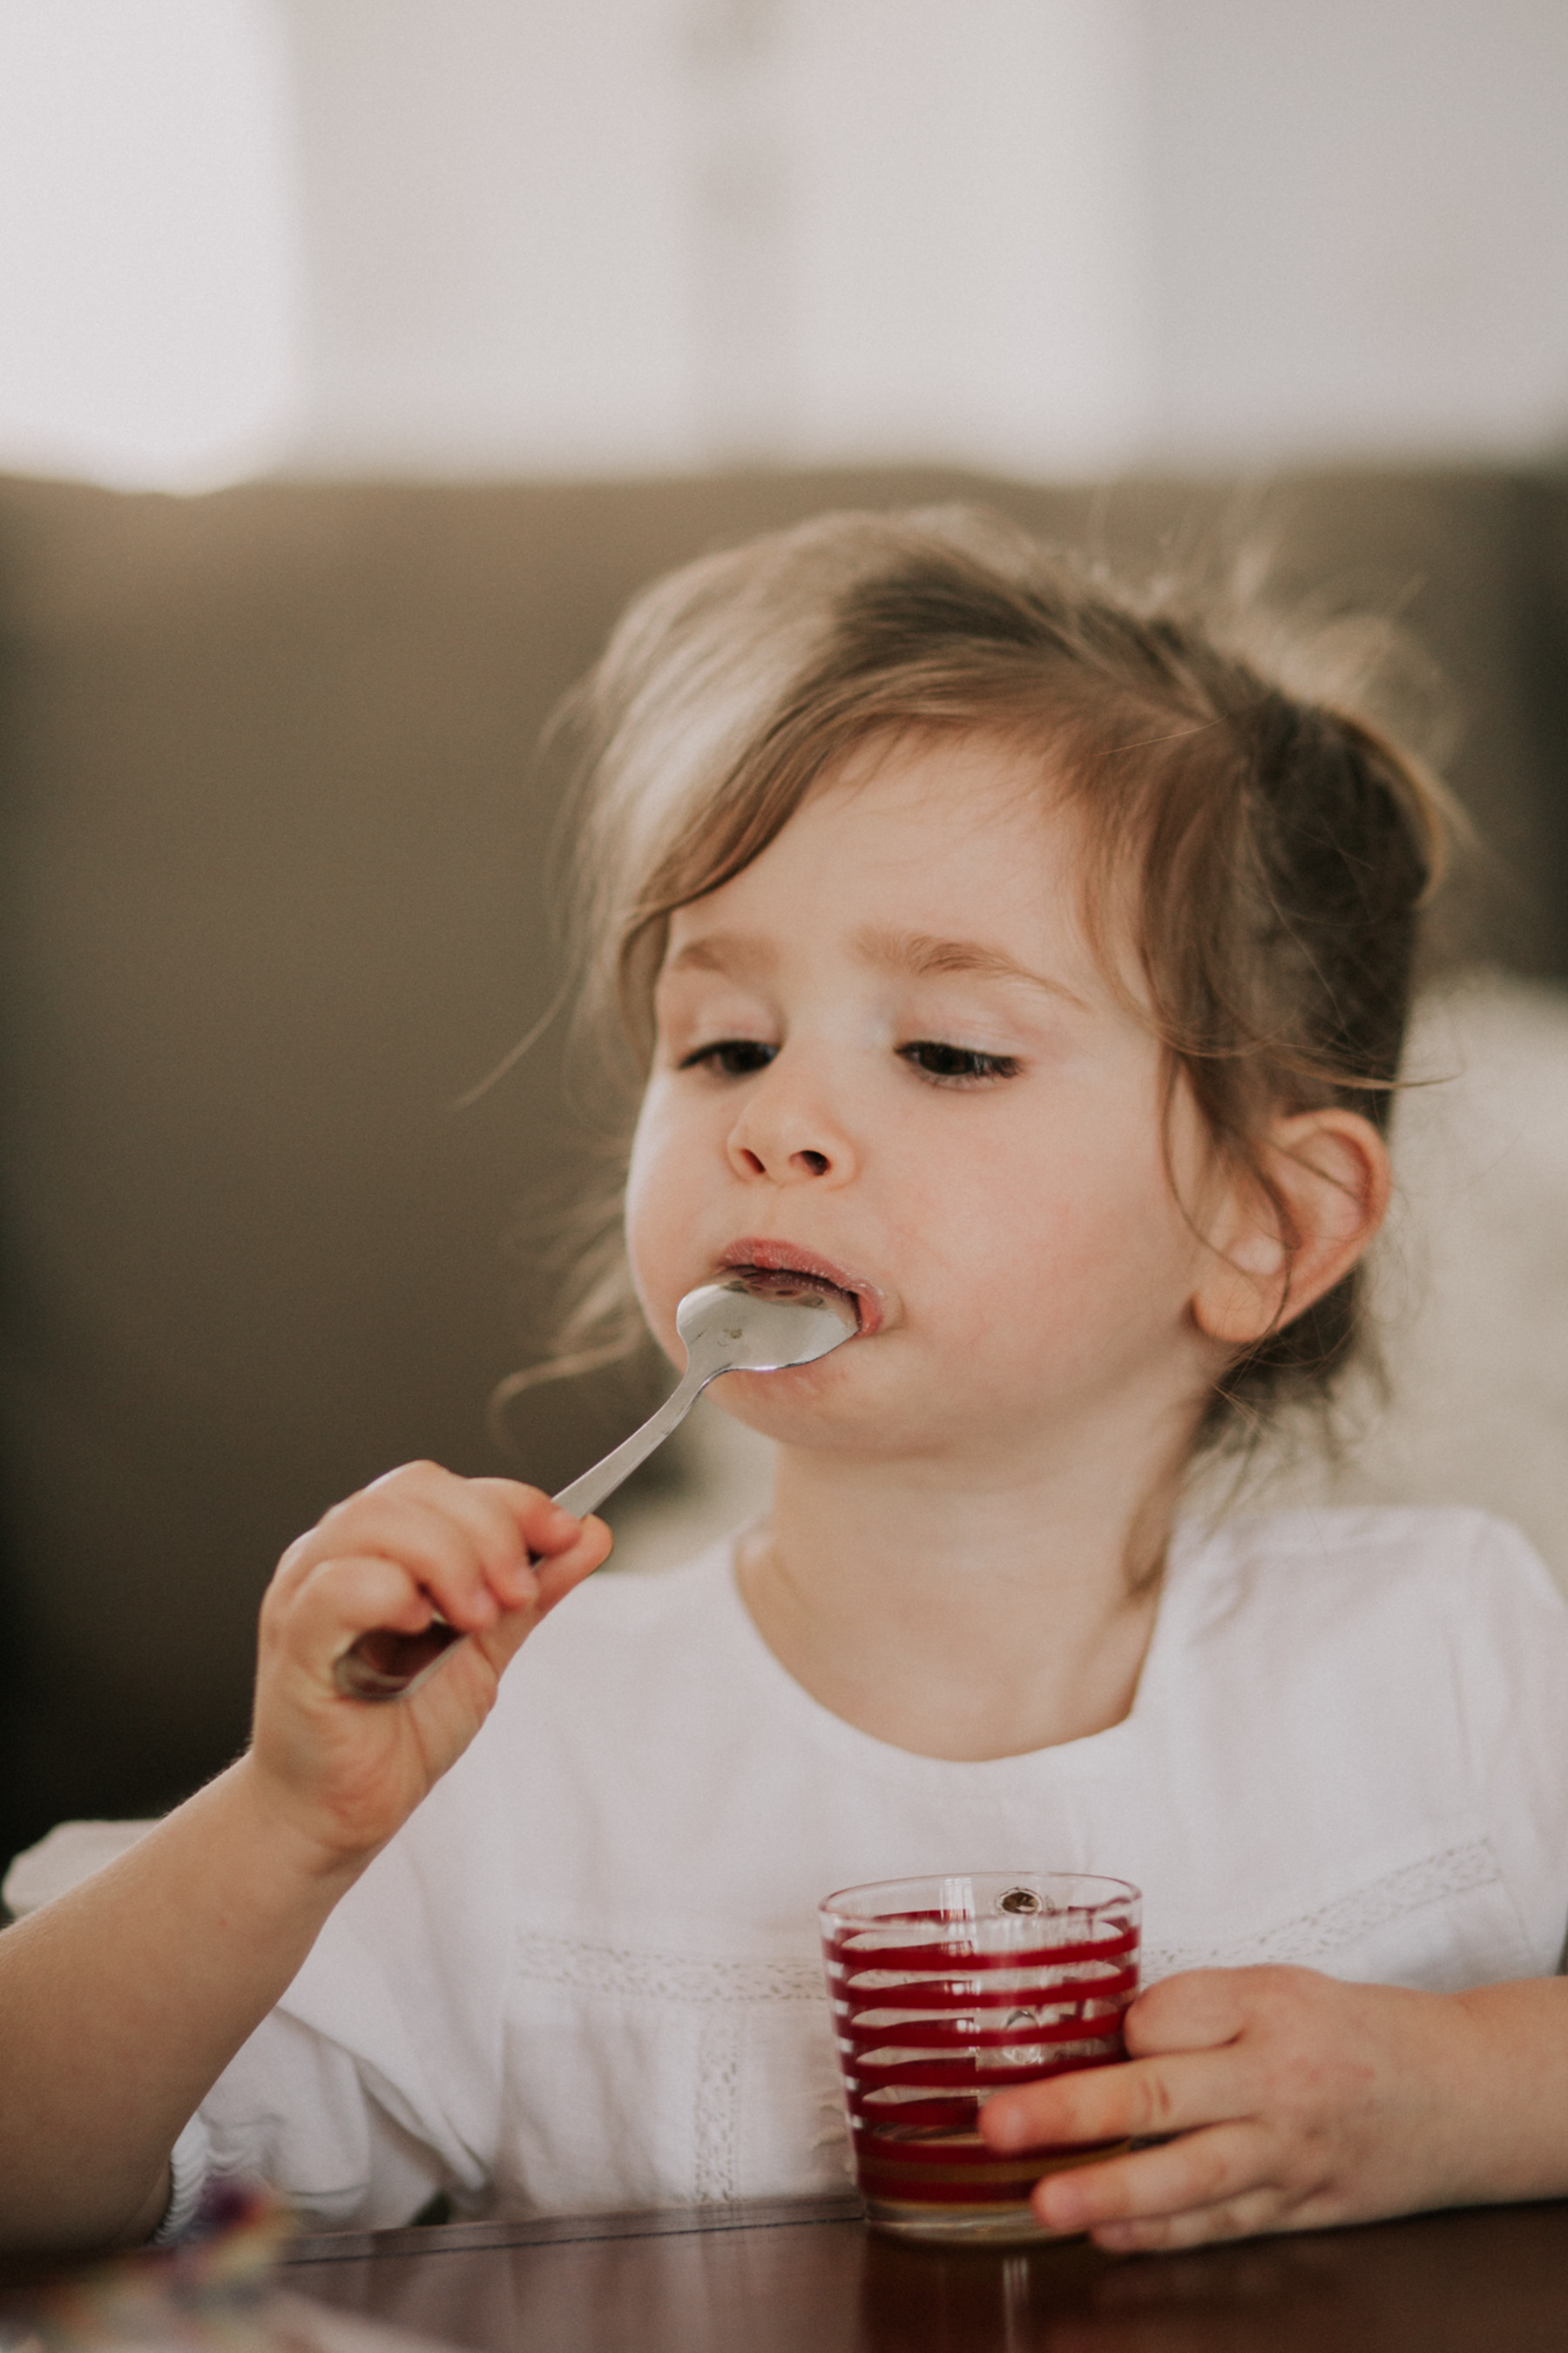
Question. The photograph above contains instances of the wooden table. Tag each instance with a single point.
(809, 2278)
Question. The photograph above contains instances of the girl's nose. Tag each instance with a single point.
(780, 1137)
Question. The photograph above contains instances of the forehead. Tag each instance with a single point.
(935, 833)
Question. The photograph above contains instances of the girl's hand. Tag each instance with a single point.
(492, 1557)
(1297, 2101)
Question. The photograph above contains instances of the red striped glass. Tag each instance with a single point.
(943, 1990)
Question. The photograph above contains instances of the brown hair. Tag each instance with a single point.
(1274, 845)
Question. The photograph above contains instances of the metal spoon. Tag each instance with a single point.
(748, 1323)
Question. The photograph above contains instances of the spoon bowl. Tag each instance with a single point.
(763, 1324)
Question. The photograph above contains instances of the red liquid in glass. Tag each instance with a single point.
(930, 2023)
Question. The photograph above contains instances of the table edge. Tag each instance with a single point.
(562, 2229)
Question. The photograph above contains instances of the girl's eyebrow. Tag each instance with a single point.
(920, 955)
(925, 957)
(736, 955)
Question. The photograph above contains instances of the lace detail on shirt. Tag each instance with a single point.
(1314, 1936)
(662, 1976)
(832, 2133)
(716, 2177)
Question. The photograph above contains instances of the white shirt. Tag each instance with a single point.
(584, 1974)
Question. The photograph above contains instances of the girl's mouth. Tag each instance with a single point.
(779, 1266)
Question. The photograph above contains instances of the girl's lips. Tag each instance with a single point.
(784, 1258)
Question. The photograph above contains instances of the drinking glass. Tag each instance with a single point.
(944, 1990)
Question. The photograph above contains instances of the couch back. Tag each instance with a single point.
(274, 872)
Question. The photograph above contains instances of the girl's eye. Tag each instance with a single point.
(958, 1063)
(730, 1058)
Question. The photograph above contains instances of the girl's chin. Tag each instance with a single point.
(802, 1406)
(816, 1417)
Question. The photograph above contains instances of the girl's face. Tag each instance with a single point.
(886, 1056)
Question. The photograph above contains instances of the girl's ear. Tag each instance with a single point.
(1328, 1174)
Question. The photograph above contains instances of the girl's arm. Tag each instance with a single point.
(1299, 2101)
(123, 2001)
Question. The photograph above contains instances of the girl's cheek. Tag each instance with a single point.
(653, 1221)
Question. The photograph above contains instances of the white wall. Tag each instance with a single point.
(520, 235)
(149, 242)
(966, 238)
(494, 273)
(1054, 234)
(1361, 226)
(654, 232)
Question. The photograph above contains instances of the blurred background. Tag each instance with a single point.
(519, 236)
(358, 359)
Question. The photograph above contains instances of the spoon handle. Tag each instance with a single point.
(384, 1665)
(586, 1493)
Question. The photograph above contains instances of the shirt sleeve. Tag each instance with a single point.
(375, 2081)
(298, 2112)
(190, 2170)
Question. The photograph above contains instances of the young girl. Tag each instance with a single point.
(1032, 967)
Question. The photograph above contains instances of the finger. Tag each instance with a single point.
(1235, 2217)
(556, 1578)
(549, 1581)
(517, 1530)
(539, 1530)
(431, 1545)
(507, 1523)
(502, 1510)
(559, 1577)
(397, 1521)
(547, 1532)
(1132, 2101)
(368, 1522)
(1197, 2010)
(342, 1599)
(1203, 2168)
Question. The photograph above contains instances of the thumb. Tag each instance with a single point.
(554, 1579)
(559, 1575)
